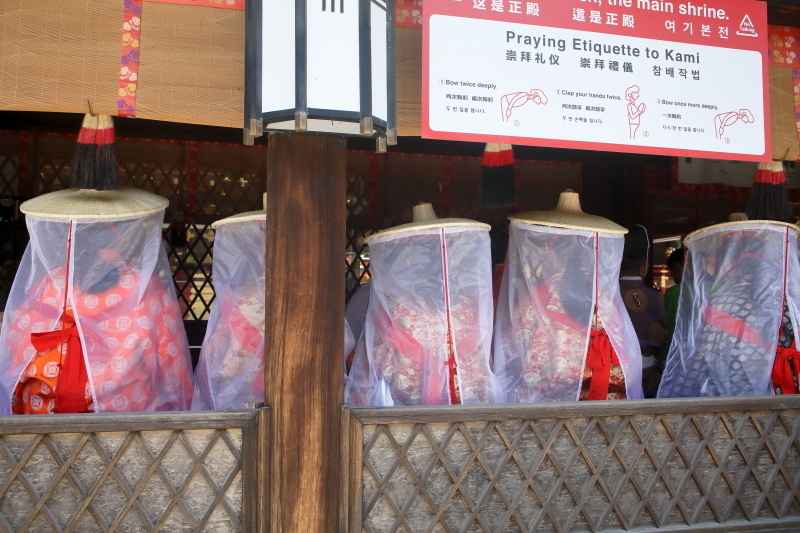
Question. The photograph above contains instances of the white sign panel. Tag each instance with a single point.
(606, 79)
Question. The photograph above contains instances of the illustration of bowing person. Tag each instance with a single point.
(511, 101)
(723, 120)
(634, 110)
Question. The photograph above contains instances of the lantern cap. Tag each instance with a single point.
(568, 214)
(247, 216)
(425, 218)
(89, 203)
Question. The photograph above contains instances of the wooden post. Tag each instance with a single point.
(304, 331)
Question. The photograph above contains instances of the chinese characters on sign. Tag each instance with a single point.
(646, 76)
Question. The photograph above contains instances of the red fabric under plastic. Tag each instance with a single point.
(600, 358)
(782, 374)
(72, 379)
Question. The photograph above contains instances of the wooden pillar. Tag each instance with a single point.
(304, 331)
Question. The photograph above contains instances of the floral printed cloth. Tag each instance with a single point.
(146, 348)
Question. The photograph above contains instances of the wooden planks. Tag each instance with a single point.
(420, 415)
(304, 328)
(99, 472)
(95, 422)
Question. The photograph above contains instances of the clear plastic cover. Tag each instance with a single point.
(122, 296)
(230, 374)
(429, 287)
(730, 310)
(546, 309)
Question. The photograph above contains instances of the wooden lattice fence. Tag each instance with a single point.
(133, 472)
(712, 465)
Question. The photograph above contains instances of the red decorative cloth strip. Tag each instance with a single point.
(498, 159)
(796, 81)
(784, 46)
(93, 136)
(600, 359)
(782, 374)
(129, 59)
(732, 326)
(768, 176)
(72, 377)
(408, 13)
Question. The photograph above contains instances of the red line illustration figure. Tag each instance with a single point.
(723, 120)
(513, 100)
(634, 110)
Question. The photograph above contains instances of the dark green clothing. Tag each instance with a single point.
(671, 298)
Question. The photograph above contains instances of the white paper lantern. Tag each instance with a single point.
(324, 66)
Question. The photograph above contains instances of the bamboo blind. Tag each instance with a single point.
(54, 56)
(785, 143)
(192, 65)
(408, 43)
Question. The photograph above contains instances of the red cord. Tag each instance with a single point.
(451, 356)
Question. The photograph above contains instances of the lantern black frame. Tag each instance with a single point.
(256, 122)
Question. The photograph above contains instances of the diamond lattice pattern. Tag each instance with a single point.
(188, 480)
(583, 474)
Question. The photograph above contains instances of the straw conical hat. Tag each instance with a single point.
(261, 214)
(425, 218)
(569, 215)
(742, 225)
(89, 203)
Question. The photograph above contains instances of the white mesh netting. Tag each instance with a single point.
(429, 287)
(735, 281)
(545, 313)
(230, 374)
(121, 293)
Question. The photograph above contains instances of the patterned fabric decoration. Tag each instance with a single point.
(787, 330)
(551, 340)
(408, 13)
(129, 60)
(126, 380)
(796, 77)
(784, 46)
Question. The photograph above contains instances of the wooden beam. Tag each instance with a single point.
(304, 331)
